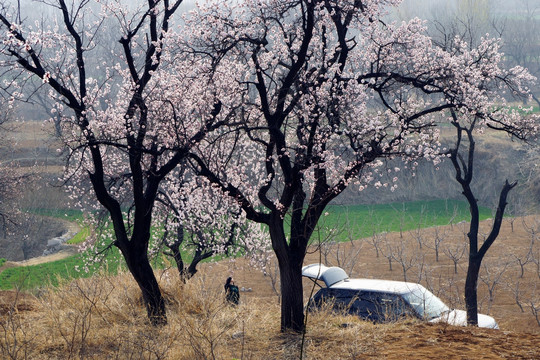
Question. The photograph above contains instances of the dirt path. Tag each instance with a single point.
(67, 250)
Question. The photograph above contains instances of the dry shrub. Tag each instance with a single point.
(202, 317)
(96, 318)
(15, 340)
(103, 318)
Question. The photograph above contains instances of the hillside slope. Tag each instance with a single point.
(103, 317)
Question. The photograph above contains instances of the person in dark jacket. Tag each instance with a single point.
(231, 292)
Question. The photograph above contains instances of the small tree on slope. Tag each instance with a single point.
(462, 158)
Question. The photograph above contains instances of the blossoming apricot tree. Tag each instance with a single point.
(127, 124)
(201, 221)
(329, 90)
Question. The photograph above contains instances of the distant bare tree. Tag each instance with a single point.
(402, 218)
(536, 260)
(455, 213)
(534, 304)
(406, 256)
(444, 286)
(418, 232)
(455, 253)
(523, 260)
(421, 268)
(521, 35)
(516, 210)
(438, 237)
(378, 235)
(515, 288)
(387, 251)
(491, 277)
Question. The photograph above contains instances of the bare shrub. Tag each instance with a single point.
(145, 343)
(73, 310)
(491, 277)
(207, 321)
(15, 340)
(455, 252)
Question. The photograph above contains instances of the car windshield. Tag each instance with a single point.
(425, 303)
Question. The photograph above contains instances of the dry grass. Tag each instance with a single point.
(103, 317)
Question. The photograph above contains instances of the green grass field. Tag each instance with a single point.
(360, 221)
(35, 276)
(80, 236)
(29, 277)
(66, 214)
(340, 223)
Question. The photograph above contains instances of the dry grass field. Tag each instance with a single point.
(103, 318)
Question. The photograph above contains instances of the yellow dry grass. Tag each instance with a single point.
(103, 318)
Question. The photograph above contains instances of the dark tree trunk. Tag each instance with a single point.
(290, 272)
(139, 266)
(464, 166)
(177, 256)
(471, 285)
(201, 254)
(292, 299)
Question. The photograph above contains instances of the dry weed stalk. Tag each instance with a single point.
(100, 317)
(15, 340)
(206, 320)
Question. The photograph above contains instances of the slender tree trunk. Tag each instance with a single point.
(471, 293)
(177, 256)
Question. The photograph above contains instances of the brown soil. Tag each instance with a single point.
(12, 301)
(360, 260)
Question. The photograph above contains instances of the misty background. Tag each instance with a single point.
(30, 145)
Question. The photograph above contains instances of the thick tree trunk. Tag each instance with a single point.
(471, 285)
(292, 299)
(290, 272)
(139, 266)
